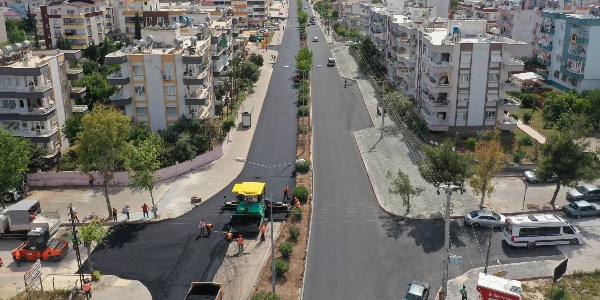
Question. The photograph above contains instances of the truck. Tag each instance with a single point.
(16, 193)
(204, 291)
(492, 287)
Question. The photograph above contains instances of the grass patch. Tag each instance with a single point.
(576, 286)
(537, 121)
(47, 295)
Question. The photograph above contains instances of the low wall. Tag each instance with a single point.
(78, 178)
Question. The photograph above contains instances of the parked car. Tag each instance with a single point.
(588, 192)
(531, 176)
(307, 24)
(581, 208)
(417, 290)
(485, 218)
(331, 62)
(315, 39)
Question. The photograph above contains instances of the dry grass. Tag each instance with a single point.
(47, 295)
(576, 286)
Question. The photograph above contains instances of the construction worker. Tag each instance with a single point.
(74, 216)
(114, 213)
(208, 229)
(145, 210)
(263, 229)
(229, 236)
(240, 242)
(296, 202)
(286, 192)
(201, 226)
(18, 258)
(87, 289)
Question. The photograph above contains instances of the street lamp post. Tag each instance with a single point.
(448, 190)
(298, 161)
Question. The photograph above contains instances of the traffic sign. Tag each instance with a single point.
(266, 34)
(455, 259)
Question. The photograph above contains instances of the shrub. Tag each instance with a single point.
(516, 117)
(304, 90)
(264, 295)
(297, 213)
(517, 156)
(302, 167)
(303, 129)
(286, 249)
(471, 143)
(228, 124)
(301, 192)
(304, 82)
(303, 111)
(96, 276)
(525, 141)
(303, 100)
(281, 267)
(257, 59)
(294, 232)
(527, 117)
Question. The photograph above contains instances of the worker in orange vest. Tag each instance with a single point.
(229, 236)
(18, 258)
(296, 202)
(263, 229)
(240, 242)
(74, 216)
(87, 289)
(208, 229)
(286, 193)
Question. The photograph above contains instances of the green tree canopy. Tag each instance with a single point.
(557, 103)
(18, 35)
(72, 127)
(13, 161)
(249, 72)
(98, 89)
(444, 165)
(565, 156)
(257, 59)
(488, 156)
(401, 186)
(142, 163)
(103, 144)
(93, 232)
(138, 26)
(36, 157)
(63, 43)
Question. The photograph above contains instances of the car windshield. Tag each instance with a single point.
(473, 214)
(496, 216)
(413, 297)
(582, 189)
(574, 205)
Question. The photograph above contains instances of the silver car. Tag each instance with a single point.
(531, 176)
(485, 218)
(581, 208)
(588, 192)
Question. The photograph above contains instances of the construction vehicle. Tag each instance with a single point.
(24, 219)
(204, 290)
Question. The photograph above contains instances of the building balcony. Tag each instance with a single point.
(32, 114)
(509, 104)
(434, 103)
(513, 65)
(197, 97)
(582, 40)
(577, 74)
(510, 86)
(192, 59)
(437, 85)
(435, 124)
(35, 92)
(115, 58)
(548, 47)
(577, 56)
(41, 136)
(195, 79)
(78, 92)
(74, 73)
(117, 79)
(72, 54)
(79, 108)
(439, 64)
(507, 123)
(119, 99)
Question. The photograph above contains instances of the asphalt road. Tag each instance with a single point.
(357, 251)
(167, 256)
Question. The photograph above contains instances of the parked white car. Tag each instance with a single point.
(485, 218)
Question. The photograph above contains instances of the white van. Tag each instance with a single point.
(536, 230)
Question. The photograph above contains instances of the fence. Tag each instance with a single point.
(78, 178)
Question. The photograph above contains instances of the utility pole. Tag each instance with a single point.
(76, 247)
(448, 190)
(487, 257)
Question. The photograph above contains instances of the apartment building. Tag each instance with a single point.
(569, 47)
(221, 48)
(520, 24)
(36, 97)
(165, 75)
(253, 13)
(81, 23)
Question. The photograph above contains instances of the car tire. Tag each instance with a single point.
(9, 198)
(574, 242)
(476, 225)
(530, 245)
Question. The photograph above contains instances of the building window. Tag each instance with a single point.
(496, 57)
(170, 89)
(160, 20)
(463, 97)
(465, 58)
(493, 76)
(141, 111)
(560, 42)
(461, 116)
(70, 12)
(148, 21)
(490, 115)
(9, 103)
(138, 70)
(168, 69)
(173, 20)
(140, 90)
(556, 74)
(464, 77)
(492, 96)
(54, 12)
(171, 111)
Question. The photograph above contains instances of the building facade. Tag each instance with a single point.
(164, 76)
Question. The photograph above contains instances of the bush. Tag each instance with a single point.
(96, 276)
(294, 232)
(228, 124)
(304, 82)
(525, 141)
(527, 117)
(257, 59)
(264, 295)
(297, 213)
(518, 156)
(471, 143)
(300, 192)
(303, 111)
(303, 100)
(302, 167)
(281, 267)
(303, 129)
(286, 249)
(304, 90)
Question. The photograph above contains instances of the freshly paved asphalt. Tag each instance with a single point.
(356, 250)
(167, 256)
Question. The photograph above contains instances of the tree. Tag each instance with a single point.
(557, 103)
(72, 127)
(29, 26)
(138, 26)
(17, 36)
(565, 158)
(103, 144)
(63, 44)
(335, 14)
(36, 157)
(488, 156)
(12, 25)
(98, 89)
(13, 161)
(401, 186)
(593, 112)
(91, 52)
(397, 102)
(249, 72)
(257, 59)
(93, 232)
(302, 17)
(444, 165)
(106, 47)
(142, 163)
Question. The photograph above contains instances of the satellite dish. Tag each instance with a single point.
(26, 44)
(7, 50)
(207, 19)
(193, 39)
(178, 41)
(17, 46)
(149, 38)
(140, 43)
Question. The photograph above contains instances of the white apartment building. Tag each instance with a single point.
(164, 76)
(82, 23)
(520, 24)
(221, 48)
(36, 97)
(458, 76)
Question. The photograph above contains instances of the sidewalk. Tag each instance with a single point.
(519, 271)
(531, 132)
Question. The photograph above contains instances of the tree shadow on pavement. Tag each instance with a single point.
(119, 235)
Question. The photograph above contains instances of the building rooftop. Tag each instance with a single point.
(163, 41)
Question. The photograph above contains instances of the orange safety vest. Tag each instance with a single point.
(263, 228)
(240, 241)
(229, 235)
(18, 255)
(87, 287)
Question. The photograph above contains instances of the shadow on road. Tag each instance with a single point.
(119, 235)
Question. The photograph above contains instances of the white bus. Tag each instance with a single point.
(536, 230)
